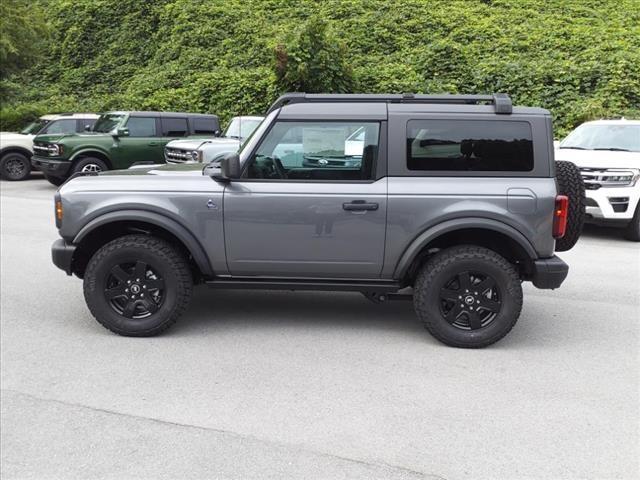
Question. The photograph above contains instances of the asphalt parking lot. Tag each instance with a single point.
(314, 385)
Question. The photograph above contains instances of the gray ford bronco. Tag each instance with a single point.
(452, 201)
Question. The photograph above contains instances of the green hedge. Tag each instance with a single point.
(578, 58)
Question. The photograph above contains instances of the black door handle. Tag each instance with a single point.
(359, 205)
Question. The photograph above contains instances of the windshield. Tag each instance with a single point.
(34, 127)
(107, 122)
(241, 128)
(604, 137)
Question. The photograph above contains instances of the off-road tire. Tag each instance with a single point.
(570, 184)
(14, 166)
(86, 162)
(159, 255)
(57, 181)
(456, 260)
(632, 232)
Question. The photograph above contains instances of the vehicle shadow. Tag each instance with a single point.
(263, 309)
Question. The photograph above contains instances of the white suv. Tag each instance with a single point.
(608, 155)
(16, 148)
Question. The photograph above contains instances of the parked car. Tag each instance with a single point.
(16, 149)
(118, 140)
(204, 150)
(456, 201)
(607, 152)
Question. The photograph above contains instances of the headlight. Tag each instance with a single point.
(620, 178)
(610, 177)
(196, 156)
(55, 150)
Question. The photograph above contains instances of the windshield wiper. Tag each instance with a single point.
(574, 148)
(614, 149)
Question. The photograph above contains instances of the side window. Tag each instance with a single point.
(469, 145)
(204, 126)
(174, 127)
(141, 126)
(83, 123)
(317, 151)
(68, 125)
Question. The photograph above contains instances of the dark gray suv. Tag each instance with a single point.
(451, 201)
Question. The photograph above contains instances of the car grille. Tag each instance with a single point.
(176, 155)
(41, 148)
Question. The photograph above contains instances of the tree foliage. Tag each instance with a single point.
(314, 61)
(578, 58)
(22, 32)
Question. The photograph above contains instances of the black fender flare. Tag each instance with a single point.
(433, 232)
(180, 232)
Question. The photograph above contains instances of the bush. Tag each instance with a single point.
(578, 58)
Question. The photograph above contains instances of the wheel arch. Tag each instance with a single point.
(16, 149)
(91, 152)
(112, 225)
(489, 233)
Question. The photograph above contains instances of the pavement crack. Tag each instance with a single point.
(298, 447)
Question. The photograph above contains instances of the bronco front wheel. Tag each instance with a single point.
(468, 296)
(137, 285)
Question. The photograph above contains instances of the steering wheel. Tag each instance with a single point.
(277, 164)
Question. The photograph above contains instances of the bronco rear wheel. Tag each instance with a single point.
(137, 285)
(468, 296)
(570, 184)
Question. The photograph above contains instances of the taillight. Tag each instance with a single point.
(560, 215)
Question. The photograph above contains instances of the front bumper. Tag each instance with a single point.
(613, 203)
(55, 168)
(549, 273)
(62, 255)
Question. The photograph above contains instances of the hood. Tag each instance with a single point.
(599, 158)
(195, 143)
(8, 136)
(189, 169)
(56, 137)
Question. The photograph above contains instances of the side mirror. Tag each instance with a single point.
(121, 132)
(229, 168)
(87, 128)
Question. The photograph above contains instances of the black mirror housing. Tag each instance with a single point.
(229, 168)
(121, 132)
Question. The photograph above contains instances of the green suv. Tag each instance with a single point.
(118, 140)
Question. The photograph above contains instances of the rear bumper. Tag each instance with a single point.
(549, 273)
(62, 255)
(55, 168)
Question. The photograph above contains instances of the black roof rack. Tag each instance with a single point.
(500, 101)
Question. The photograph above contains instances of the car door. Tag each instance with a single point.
(140, 144)
(284, 218)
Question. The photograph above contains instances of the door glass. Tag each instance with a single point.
(142, 127)
(317, 151)
(174, 127)
(61, 126)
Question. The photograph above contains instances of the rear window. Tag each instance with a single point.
(469, 145)
(174, 127)
(204, 126)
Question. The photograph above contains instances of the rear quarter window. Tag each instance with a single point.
(469, 145)
(174, 127)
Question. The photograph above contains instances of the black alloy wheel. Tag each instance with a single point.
(14, 167)
(134, 290)
(470, 300)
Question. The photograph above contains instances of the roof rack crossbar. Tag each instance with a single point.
(500, 101)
